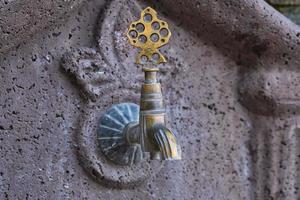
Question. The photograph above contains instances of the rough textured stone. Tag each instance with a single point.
(20, 19)
(231, 91)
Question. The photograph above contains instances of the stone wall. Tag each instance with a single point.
(230, 87)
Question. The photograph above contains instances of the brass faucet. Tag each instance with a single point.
(127, 133)
(151, 133)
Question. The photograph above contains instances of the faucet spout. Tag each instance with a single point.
(167, 143)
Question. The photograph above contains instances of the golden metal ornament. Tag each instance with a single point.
(149, 34)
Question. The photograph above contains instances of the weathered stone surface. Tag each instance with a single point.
(20, 19)
(231, 91)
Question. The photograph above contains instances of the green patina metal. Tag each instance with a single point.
(290, 8)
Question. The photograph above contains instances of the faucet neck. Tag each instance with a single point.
(150, 75)
(151, 95)
(152, 112)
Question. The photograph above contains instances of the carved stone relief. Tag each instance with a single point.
(259, 91)
(271, 95)
(102, 74)
(230, 87)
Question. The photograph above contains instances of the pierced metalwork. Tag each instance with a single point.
(149, 34)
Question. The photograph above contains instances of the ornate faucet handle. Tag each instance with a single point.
(149, 34)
